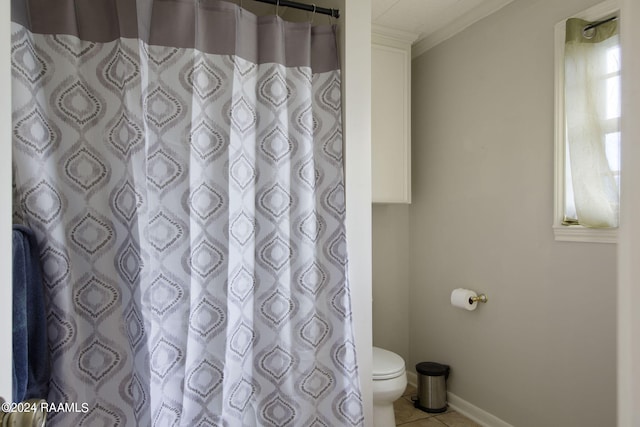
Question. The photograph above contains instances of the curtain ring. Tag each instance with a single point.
(313, 14)
(277, 6)
(588, 32)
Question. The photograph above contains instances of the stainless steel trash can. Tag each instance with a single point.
(432, 387)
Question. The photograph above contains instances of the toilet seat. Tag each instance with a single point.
(386, 364)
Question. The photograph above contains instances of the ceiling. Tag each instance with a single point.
(426, 23)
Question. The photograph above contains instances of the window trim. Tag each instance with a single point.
(573, 233)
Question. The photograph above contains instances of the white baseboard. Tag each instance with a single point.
(467, 409)
(412, 378)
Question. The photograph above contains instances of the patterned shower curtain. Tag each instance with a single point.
(181, 165)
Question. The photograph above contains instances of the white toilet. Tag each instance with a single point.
(389, 382)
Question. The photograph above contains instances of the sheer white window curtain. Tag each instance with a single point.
(592, 113)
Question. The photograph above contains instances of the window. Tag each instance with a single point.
(587, 151)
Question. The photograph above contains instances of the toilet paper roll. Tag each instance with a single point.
(461, 298)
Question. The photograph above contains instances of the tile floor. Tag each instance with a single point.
(409, 416)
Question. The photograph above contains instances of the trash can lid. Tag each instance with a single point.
(432, 369)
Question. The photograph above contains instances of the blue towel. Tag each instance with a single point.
(31, 368)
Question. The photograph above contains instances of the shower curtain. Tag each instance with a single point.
(181, 165)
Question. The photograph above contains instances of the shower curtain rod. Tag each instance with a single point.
(596, 24)
(303, 6)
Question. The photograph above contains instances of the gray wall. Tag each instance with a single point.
(391, 278)
(542, 351)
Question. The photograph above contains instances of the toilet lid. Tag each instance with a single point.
(386, 364)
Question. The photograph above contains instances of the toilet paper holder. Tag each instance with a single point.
(479, 298)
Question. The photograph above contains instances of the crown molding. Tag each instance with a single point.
(457, 25)
(381, 32)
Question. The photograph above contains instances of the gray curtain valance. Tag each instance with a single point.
(210, 26)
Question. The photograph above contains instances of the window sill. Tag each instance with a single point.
(578, 233)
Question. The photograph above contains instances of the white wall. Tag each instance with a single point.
(357, 138)
(542, 351)
(6, 371)
(629, 247)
